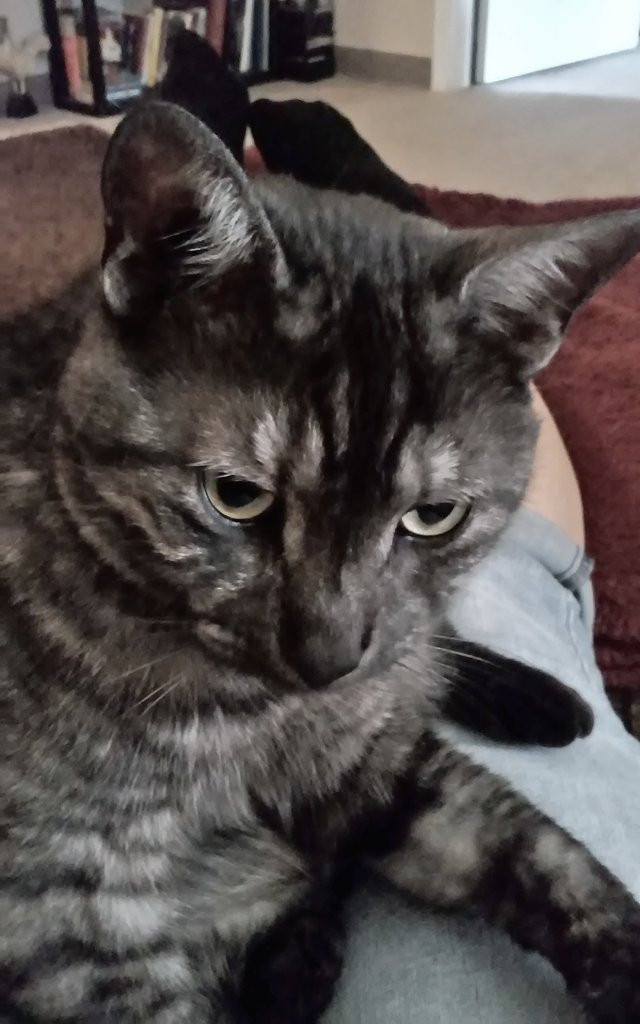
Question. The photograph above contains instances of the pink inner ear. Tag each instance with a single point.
(178, 209)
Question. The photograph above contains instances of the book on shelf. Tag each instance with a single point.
(247, 42)
(246, 48)
(232, 49)
(152, 33)
(133, 44)
(285, 38)
(71, 51)
(261, 36)
(216, 24)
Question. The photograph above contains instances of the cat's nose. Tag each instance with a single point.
(321, 668)
(320, 656)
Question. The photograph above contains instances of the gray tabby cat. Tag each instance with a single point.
(243, 473)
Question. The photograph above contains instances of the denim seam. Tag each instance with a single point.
(570, 622)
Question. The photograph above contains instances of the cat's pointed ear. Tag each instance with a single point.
(178, 209)
(522, 285)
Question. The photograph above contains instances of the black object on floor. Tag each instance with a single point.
(198, 80)
(316, 144)
(21, 104)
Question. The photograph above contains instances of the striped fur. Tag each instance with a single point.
(202, 724)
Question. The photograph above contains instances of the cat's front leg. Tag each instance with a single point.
(508, 700)
(323, 769)
(323, 764)
(473, 843)
(291, 970)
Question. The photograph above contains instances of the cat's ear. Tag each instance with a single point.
(522, 285)
(178, 210)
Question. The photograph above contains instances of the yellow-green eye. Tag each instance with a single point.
(236, 499)
(435, 520)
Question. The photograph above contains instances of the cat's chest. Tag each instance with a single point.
(183, 852)
(171, 872)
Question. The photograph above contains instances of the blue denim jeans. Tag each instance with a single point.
(531, 599)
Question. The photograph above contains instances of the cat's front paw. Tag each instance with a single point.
(619, 1003)
(511, 702)
(292, 971)
(611, 995)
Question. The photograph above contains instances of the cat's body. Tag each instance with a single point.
(205, 720)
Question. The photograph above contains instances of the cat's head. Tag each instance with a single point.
(301, 416)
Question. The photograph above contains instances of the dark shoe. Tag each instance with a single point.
(316, 144)
(198, 80)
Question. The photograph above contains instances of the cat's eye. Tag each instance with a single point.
(239, 500)
(435, 520)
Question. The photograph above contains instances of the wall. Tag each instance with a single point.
(24, 18)
(533, 35)
(388, 26)
(452, 46)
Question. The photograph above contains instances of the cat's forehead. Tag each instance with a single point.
(341, 375)
(331, 449)
(346, 239)
(354, 387)
(363, 427)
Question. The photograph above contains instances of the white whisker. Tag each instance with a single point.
(145, 665)
(166, 690)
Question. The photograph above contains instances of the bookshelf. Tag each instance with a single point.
(304, 42)
(105, 53)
